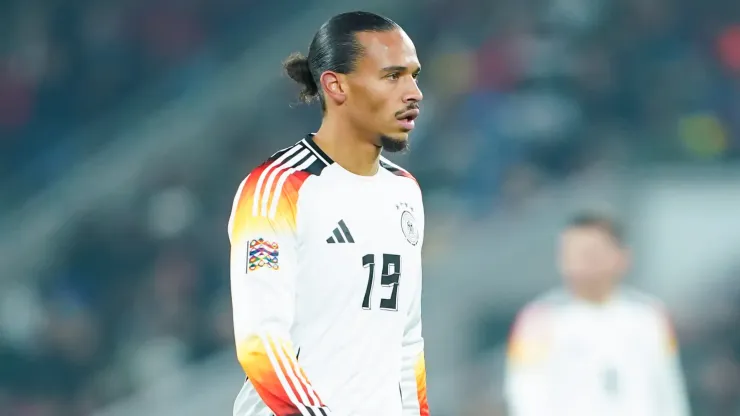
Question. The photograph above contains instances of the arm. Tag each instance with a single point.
(413, 368)
(264, 266)
(413, 384)
(672, 386)
(527, 381)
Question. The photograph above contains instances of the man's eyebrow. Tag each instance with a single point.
(395, 68)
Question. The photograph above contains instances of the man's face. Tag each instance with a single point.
(591, 258)
(383, 95)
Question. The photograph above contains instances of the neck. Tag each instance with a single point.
(351, 149)
(595, 295)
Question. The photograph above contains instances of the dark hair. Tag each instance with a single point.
(591, 219)
(334, 48)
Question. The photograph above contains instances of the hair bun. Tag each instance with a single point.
(297, 68)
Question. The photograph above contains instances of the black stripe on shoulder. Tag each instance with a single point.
(303, 156)
(322, 159)
(278, 154)
(316, 167)
(397, 170)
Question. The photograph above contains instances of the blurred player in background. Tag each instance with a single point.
(326, 240)
(594, 347)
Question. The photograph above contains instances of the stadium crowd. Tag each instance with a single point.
(66, 64)
(521, 96)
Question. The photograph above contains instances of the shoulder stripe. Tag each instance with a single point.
(317, 154)
(271, 190)
(265, 172)
(395, 169)
(281, 182)
(280, 152)
(268, 192)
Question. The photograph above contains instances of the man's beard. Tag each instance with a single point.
(392, 145)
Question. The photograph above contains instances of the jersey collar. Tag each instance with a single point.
(311, 144)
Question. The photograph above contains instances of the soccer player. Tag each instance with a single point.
(594, 347)
(326, 240)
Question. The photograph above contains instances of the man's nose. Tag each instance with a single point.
(414, 94)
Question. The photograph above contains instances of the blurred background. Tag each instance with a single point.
(126, 127)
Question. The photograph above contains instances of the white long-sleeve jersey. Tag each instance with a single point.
(570, 358)
(326, 289)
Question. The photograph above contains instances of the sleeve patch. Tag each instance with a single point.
(263, 253)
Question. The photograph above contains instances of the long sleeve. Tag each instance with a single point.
(264, 266)
(674, 399)
(413, 383)
(527, 366)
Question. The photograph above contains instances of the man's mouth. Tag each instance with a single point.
(406, 119)
(408, 115)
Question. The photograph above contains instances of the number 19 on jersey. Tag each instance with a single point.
(390, 277)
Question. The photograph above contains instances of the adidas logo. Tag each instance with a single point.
(341, 234)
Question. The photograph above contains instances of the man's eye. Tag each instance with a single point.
(394, 76)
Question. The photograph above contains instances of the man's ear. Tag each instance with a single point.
(333, 86)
